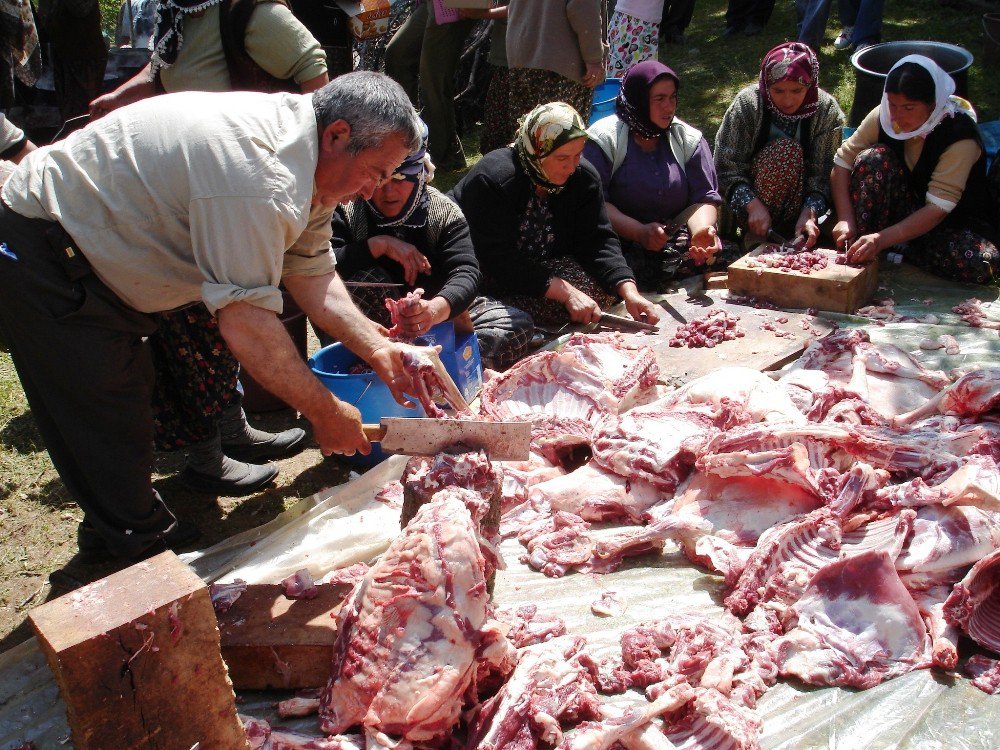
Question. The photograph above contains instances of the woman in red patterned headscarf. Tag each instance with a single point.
(774, 150)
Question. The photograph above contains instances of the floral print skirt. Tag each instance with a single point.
(882, 196)
(196, 377)
(549, 313)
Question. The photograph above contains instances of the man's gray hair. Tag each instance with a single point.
(374, 105)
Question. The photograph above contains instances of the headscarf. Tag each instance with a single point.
(946, 104)
(418, 169)
(168, 35)
(542, 131)
(796, 62)
(632, 105)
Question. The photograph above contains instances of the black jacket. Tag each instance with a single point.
(444, 240)
(494, 196)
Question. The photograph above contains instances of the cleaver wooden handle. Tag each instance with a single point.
(374, 432)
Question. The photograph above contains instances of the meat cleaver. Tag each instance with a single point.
(502, 441)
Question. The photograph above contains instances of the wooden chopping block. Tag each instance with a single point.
(270, 641)
(836, 288)
(137, 661)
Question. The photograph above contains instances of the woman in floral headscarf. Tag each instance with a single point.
(914, 173)
(538, 223)
(775, 146)
(659, 180)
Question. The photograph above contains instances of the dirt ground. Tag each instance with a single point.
(38, 554)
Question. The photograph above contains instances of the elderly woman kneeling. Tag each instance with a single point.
(540, 229)
(409, 236)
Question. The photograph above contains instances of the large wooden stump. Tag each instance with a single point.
(137, 661)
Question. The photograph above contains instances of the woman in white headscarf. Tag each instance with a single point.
(913, 176)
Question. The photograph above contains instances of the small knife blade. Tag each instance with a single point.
(624, 324)
(374, 284)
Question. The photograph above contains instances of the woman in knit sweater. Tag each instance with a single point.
(411, 235)
(555, 52)
(914, 174)
(538, 223)
(659, 180)
(775, 147)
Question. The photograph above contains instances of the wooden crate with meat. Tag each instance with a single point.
(810, 279)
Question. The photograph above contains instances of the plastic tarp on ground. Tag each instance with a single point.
(923, 710)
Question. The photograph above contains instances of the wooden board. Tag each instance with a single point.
(136, 658)
(270, 641)
(759, 348)
(837, 288)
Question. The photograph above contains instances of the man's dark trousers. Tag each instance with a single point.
(88, 377)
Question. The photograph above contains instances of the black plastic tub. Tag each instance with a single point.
(873, 64)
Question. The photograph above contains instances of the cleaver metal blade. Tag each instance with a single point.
(502, 441)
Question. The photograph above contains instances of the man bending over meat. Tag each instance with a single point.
(170, 201)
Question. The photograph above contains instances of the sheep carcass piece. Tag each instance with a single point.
(744, 394)
(855, 626)
(409, 637)
(657, 444)
(972, 395)
(596, 495)
(565, 393)
(885, 377)
(974, 604)
(550, 684)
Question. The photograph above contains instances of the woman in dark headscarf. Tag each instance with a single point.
(539, 226)
(775, 146)
(659, 180)
(412, 236)
(914, 174)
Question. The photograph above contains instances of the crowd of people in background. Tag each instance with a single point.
(561, 218)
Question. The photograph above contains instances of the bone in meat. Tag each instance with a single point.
(409, 635)
(856, 625)
(549, 685)
(974, 603)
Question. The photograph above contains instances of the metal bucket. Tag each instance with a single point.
(991, 42)
(872, 65)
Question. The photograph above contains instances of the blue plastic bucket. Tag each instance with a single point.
(372, 397)
(604, 99)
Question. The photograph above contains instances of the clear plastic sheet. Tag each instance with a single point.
(922, 710)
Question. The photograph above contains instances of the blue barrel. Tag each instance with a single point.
(605, 95)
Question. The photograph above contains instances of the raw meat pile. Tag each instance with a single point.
(852, 508)
(804, 262)
(395, 306)
(972, 313)
(708, 330)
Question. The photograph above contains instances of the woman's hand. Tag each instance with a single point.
(581, 308)
(806, 225)
(758, 217)
(844, 232)
(704, 245)
(412, 260)
(653, 237)
(421, 316)
(864, 249)
(638, 306)
(593, 75)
